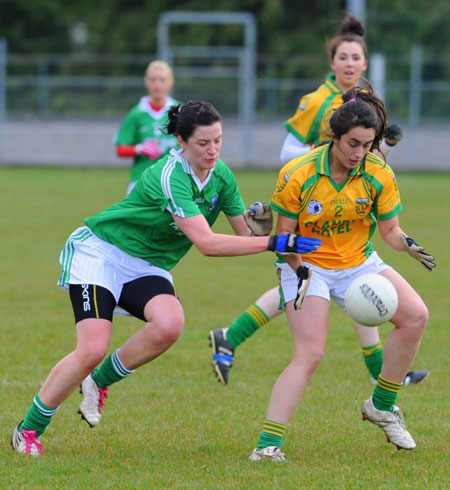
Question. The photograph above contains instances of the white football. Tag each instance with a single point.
(371, 300)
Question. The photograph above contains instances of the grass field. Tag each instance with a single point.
(171, 425)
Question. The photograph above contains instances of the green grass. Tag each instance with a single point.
(171, 425)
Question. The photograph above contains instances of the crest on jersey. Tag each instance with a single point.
(283, 183)
(213, 202)
(315, 207)
(361, 206)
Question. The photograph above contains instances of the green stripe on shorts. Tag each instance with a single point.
(68, 252)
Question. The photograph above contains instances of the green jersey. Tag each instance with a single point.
(142, 224)
(141, 124)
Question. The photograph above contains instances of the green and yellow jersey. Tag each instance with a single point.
(143, 226)
(343, 216)
(310, 123)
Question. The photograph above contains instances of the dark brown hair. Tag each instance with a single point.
(350, 30)
(361, 107)
(185, 118)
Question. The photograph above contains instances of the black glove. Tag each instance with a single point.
(393, 134)
(304, 276)
(293, 244)
(418, 252)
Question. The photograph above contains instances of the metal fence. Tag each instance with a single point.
(107, 86)
(51, 87)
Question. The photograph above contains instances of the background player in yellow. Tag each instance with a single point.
(339, 192)
(308, 128)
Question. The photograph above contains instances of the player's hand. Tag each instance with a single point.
(304, 276)
(418, 252)
(393, 134)
(149, 148)
(293, 244)
(259, 218)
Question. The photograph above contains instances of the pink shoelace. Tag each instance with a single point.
(102, 396)
(30, 440)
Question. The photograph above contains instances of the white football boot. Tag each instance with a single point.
(391, 423)
(93, 401)
(272, 452)
(26, 442)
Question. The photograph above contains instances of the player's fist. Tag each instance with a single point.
(293, 244)
(393, 134)
(148, 148)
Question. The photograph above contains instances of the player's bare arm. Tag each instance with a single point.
(239, 225)
(197, 229)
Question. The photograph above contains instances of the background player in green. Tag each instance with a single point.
(141, 135)
(305, 200)
(122, 257)
(306, 129)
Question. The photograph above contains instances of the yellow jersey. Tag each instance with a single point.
(310, 123)
(344, 216)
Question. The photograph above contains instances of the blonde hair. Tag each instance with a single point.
(161, 65)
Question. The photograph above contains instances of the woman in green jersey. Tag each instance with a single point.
(340, 192)
(307, 129)
(122, 258)
(141, 135)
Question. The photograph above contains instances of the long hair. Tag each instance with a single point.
(361, 107)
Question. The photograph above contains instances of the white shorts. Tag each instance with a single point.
(87, 259)
(326, 283)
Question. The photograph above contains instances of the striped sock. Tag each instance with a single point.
(385, 394)
(246, 325)
(110, 371)
(373, 358)
(272, 434)
(38, 417)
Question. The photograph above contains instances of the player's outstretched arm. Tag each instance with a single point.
(197, 229)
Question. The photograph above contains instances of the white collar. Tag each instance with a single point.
(144, 106)
(177, 154)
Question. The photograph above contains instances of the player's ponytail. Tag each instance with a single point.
(351, 29)
(185, 118)
(362, 107)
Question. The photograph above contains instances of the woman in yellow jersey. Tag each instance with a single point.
(307, 129)
(320, 195)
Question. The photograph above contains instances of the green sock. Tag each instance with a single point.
(272, 434)
(38, 417)
(373, 358)
(246, 325)
(385, 394)
(110, 371)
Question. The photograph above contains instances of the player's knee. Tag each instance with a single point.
(315, 358)
(167, 329)
(310, 359)
(416, 320)
(420, 318)
(92, 355)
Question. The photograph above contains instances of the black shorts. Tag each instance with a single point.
(91, 301)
